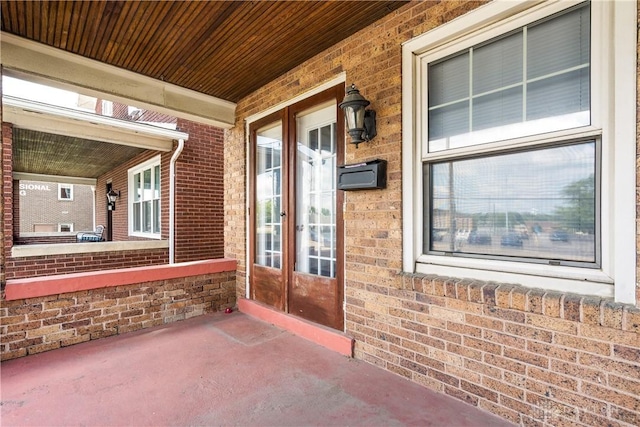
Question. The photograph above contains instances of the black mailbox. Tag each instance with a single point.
(363, 176)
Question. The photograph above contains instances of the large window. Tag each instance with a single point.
(511, 155)
(144, 199)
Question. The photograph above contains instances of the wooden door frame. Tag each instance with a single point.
(287, 116)
(278, 116)
(335, 93)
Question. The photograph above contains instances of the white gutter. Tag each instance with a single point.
(172, 199)
(93, 205)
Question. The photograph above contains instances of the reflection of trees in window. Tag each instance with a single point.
(264, 213)
(579, 213)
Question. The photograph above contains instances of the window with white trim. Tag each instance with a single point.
(509, 159)
(144, 199)
(65, 192)
(65, 227)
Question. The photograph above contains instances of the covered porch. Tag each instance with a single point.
(535, 332)
(218, 369)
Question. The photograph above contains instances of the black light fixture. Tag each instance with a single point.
(112, 196)
(361, 123)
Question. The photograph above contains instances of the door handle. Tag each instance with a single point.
(283, 214)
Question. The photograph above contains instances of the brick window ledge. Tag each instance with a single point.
(515, 302)
(52, 285)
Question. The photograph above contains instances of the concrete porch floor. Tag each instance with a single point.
(217, 369)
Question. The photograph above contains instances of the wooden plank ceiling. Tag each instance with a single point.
(49, 154)
(225, 49)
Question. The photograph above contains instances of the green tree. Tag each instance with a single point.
(579, 212)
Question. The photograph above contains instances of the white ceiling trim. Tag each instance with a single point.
(36, 62)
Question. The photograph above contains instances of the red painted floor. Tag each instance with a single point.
(216, 370)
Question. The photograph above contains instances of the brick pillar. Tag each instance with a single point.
(6, 211)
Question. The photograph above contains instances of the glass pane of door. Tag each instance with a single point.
(269, 196)
(316, 192)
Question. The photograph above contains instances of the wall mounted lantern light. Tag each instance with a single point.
(112, 196)
(361, 123)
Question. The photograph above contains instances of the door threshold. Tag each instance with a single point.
(319, 334)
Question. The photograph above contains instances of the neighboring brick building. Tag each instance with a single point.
(50, 207)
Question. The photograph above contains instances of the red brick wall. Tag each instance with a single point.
(7, 196)
(39, 240)
(16, 212)
(37, 266)
(119, 182)
(46, 323)
(533, 357)
(199, 194)
(199, 188)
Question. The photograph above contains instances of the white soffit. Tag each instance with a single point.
(22, 58)
(65, 121)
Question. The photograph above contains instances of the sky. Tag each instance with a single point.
(40, 93)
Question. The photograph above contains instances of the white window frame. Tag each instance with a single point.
(613, 100)
(70, 187)
(149, 164)
(68, 224)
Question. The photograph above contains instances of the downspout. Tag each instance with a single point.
(93, 205)
(172, 199)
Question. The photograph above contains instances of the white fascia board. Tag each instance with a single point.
(25, 176)
(37, 62)
(64, 121)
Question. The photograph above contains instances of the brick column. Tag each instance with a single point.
(7, 198)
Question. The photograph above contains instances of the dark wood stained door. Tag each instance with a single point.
(296, 255)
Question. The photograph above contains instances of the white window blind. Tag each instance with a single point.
(533, 80)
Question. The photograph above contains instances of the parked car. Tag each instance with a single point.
(559, 236)
(479, 238)
(512, 238)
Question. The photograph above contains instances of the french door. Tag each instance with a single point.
(296, 239)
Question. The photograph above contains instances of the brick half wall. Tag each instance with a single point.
(33, 325)
(46, 265)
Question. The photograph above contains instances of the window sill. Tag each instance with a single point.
(25, 251)
(146, 236)
(564, 279)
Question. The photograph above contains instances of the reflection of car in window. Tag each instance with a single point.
(479, 238)
(559, 236)
(511, 239)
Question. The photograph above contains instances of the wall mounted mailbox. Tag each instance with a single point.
(363, 176)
